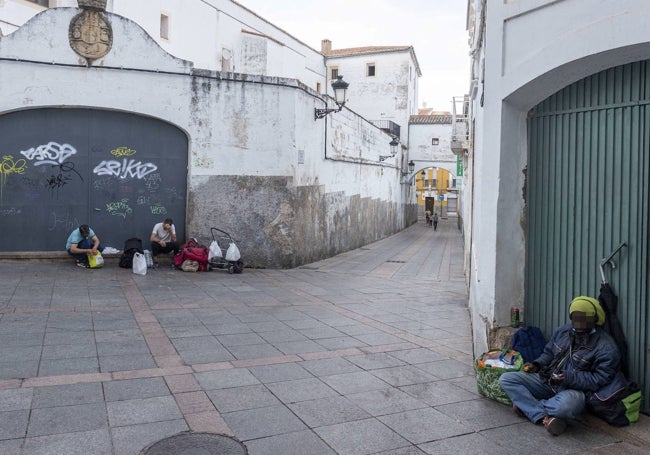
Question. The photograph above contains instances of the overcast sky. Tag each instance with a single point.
(435, 28)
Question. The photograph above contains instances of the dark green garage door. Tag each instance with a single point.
(588, 185)
(119, 172)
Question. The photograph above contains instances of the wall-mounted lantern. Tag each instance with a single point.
(340, 88)
(394, 144)
(411, 168)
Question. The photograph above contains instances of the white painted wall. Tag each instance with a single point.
(389, 95)
(526, 52)
(228, 137)
(424, 154)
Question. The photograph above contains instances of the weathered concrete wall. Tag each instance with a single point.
(278, 225)
(292, 189)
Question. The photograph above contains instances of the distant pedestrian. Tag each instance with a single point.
(435, 221)
(427, 214)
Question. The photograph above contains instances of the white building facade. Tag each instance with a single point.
(383, 82)
(559, 95)
(244, 154)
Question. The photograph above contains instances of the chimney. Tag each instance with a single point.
(325, 46)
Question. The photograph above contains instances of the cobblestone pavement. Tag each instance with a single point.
(368, 352)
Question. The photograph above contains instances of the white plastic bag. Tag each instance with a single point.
(232, 254)
(215, 251)
(139, 264)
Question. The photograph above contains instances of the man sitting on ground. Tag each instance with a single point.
(82, 242)
(580, 357)
(163, 239)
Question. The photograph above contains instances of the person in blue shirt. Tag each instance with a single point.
(82, 242)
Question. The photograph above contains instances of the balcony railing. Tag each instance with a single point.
(460, 126)
(388, 126)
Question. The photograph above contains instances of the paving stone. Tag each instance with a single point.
(242, 398)
(126, 362)
(301, 390)
(57, 367)
(96, 442)
(348, 383)
(67, 395)
(108, 348)
(411, 450)
(299, 347)
(299, 443)
(69, 351)
(376, 339)
(361, 437)
(15, 399)
(254, 351)
(278, 336)
(222, 379)
(13, 424)
(374, 361)
(418, 355)
(130, 389)
(67, 419)
(187, 331)
(240, 339)
(142, 410)
(279, 372)
(327, 411)
(423, 425)
(130, 440)
(11, 446)
(438, 393)
(86, 337)
(321, 332)
(358, 329)
(262, 422)
(19, 353)
(385, 401)
(341, 343)
(327, 367)
(403, 375)
(480, 414)
(228, 328)
(447, 369)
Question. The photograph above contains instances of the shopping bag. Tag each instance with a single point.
(215, 251)
(232, 254)
(139, 264)
(489, 368)
(95, 261)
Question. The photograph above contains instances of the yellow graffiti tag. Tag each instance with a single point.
(9, 166)
(123, 151)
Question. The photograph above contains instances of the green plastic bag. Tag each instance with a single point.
(487, 376)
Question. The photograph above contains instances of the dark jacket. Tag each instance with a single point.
(587, 368)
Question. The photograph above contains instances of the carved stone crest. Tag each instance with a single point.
(90, 34)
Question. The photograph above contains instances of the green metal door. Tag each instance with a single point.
(587, 193)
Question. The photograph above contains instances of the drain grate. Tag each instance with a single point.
(397, 262)
(189, 443)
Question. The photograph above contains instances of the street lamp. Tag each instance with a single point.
(393, 146)
(411, 167)
(340, 88)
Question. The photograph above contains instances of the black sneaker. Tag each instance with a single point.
(82, 265)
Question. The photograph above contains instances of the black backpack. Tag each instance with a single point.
(131, 246)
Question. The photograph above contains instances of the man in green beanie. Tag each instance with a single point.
(580, 357)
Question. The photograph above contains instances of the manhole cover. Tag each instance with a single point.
(196, 444)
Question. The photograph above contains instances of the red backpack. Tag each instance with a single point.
(193, 251)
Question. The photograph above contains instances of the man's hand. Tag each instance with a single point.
(162, 243)
(530, 367)
(557, 377)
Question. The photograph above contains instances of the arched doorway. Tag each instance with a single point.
(61, 167)
(587, 192)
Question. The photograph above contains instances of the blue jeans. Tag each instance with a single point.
(536, 399)
(85, 244)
